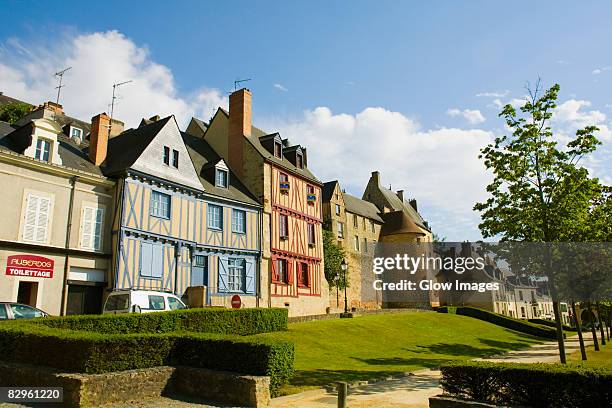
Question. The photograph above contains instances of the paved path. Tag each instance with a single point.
(414, 391)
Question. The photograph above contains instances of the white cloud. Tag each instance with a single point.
(439, 167)
(280, 87)
(601, 70)
(473, 116)
(98, 60)
(562, 62)
(572, 111)
(493, 94)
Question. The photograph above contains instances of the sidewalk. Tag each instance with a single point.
(414, 391)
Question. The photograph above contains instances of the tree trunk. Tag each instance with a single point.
(601, 324)
(593, 330)
(579, 329)
(337, 297)
(559, 327)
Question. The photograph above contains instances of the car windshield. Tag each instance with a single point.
(117, 302)
(25, 312)
(175, 303)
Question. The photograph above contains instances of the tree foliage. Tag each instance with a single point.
(12, 112)
(333, 255)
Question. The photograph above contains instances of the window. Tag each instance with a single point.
(356, 243)
(282, 272)
(284, 178)
(36, 220)
(43, 148)
(340, 230)
(151, 259)
(372, 226)
(311, 234)
(3, 314)
(175, 304)
(156, 302)
(239, 221)
(365, 245)
(160, 205)
(76, 133)
(175, 157)
(299, 161)
(303, 277)
(283, 226)
(235, 275)
(221, 178)
(310, 189)
(92, 220)
(166, 155)
(337, 209)
(215, 217)
(278, 150)
(520, 294)
(355, 221)
(117, 302)
(363, 224)
(24, 312)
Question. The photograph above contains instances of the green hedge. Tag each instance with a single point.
(551, 323)
(533, 385)
(210, 320)
(522, 326)
(88, 352)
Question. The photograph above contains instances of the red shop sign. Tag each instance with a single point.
(30, 266)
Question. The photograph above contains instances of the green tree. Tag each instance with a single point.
(333, 254)
(539, 193)
(12, 112)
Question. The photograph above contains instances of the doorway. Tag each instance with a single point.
(199, 271)
(27, 293)
(84, 299)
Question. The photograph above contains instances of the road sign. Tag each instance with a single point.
(236, 302)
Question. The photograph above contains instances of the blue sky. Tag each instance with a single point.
(324, 72)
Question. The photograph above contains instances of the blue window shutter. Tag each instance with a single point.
(146, 257)
(249, 276)
(157, 267)
(223, 271)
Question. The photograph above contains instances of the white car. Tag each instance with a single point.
(141, 301)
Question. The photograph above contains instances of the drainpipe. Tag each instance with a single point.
(177, 256)
(73, 181)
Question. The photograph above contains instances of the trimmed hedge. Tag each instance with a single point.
(522, 326)
(210, 320)
(551, 323)
(87, 352)
(533, 385)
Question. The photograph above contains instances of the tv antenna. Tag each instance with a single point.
(112, 105)
(239, 81)
(60, 75)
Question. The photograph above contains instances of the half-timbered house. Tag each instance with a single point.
(277, 174)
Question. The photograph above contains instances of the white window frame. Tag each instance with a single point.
(79, 131)
(218, 181)
(92, 240)
(155, 209)
(236, 274)
(239, 218)
(214, 220)
(45, 235)
(50, 152)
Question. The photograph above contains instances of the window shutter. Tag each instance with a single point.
(87, 228)
(97, 244)
(31, 211)
(274, 269)
(249, 276)
(44, 205)
(157, 266)
(146, 257)
(289, 272)
(223, 272)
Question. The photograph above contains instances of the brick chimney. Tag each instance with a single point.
(413, 204)
(98, 141)
(400, 195)
(239, 126)
(54, 107)
(375, 177)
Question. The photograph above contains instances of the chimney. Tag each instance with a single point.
(376, 177)
(98, 141)
(400, 195)
(56, 108)
(413, 204)
(116, 128)
(239, 126)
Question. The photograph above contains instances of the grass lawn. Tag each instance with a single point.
(601, 358)
(377, 345)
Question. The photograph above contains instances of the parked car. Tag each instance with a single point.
(141, 301)
(12, 311)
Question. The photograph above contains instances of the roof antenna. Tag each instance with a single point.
(238, 82)
(60, 75)
(112, 105)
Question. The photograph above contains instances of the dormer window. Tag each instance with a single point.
(299, 160)
(43, 149)
(278, 149)
(175, 158)
(167, 157)
(76, 133)
(221, 178)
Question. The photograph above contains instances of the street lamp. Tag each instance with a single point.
(344, 267)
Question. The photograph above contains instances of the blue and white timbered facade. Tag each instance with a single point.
(172, 231)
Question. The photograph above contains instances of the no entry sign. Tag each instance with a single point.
(31, 266)
(236, 302)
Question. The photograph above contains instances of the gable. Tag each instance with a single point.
(151, 159)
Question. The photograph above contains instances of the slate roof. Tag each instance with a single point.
(5, 99)
(203, 156)
(361, 207)
(284, 163)
(201, 124)
(328, 190)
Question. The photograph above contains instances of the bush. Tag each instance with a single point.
(210, 320)
(522, 326)
(533, 385)
(551, 323)
(92, 353)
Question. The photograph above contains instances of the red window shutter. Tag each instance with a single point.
(274, 272)
(290, 272)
